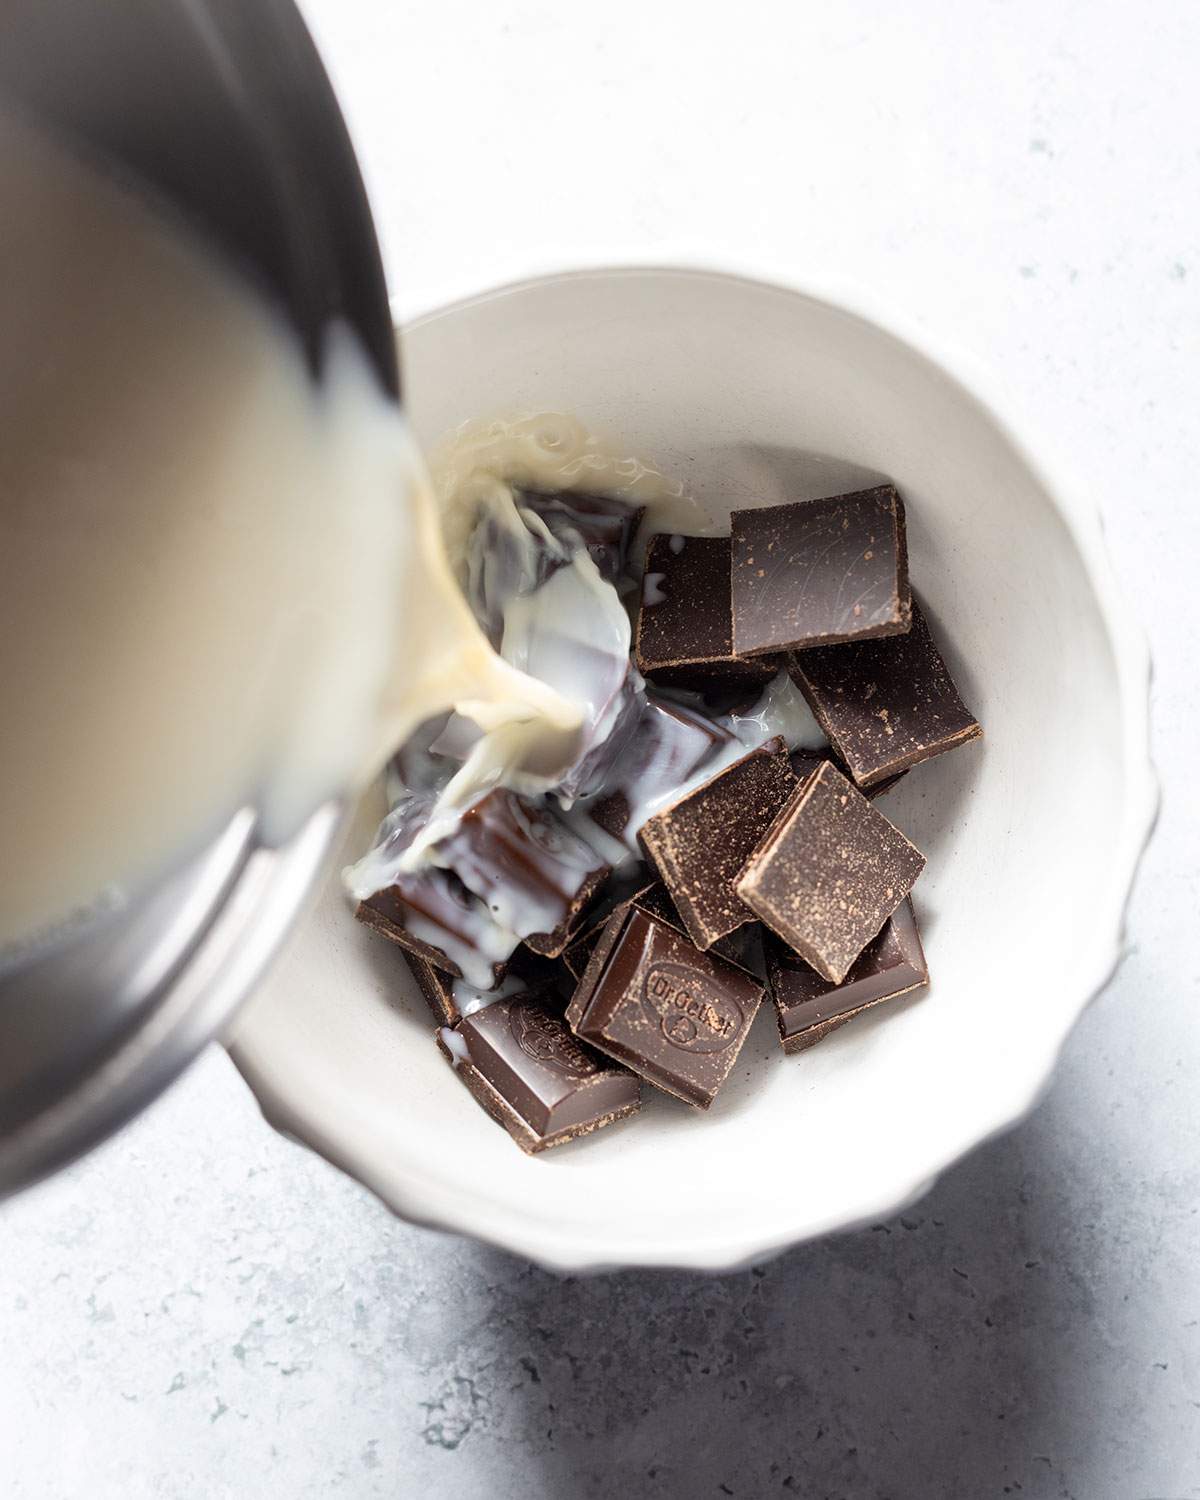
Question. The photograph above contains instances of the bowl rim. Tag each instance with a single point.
(562, 1250)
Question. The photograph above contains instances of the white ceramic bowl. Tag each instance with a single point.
(755, 394)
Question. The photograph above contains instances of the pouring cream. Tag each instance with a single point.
(220, 583)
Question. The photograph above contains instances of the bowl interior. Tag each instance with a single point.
(754, 395)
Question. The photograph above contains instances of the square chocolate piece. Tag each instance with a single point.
(885, 705)
(700, 843)
(685, 624)
(808, 1007)
(541, 1083)
(816, 572)
(655, 1002)
(829, 873)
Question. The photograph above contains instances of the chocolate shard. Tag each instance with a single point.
(804, 762)
(829, 873)
(526, 975)
(685, 624)
(808, 1007)
(520, 859)
(816, 572)
(605, 526)
(886, 705)
(654, 1001)
(523, 1065)
(700, 843)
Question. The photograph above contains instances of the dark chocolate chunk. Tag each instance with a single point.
(531, 1074)
(670, 743)
(437, 987)
(806, 761)
(525, 864)
(700, 843)
(887, 704)
(829, 872)
(653, 1001)
(605, 526)
(809, 1007)
(685, 624)
(819, 571)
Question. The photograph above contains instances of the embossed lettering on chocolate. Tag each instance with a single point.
(654, 1001)
(816, 572)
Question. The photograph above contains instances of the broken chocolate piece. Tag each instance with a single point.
(829, 872)
(808, 1007)
(700, 843)
(606, 527)
(506, 559)
(535, 876)
(816, 572)
(685, 624)
(653, 1001)
(541, 1083)
(885, 705)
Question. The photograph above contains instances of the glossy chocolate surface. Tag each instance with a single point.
(816, 572)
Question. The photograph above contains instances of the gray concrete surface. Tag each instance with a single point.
(203, 1309)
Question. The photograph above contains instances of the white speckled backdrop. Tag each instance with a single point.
(202, 1309)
